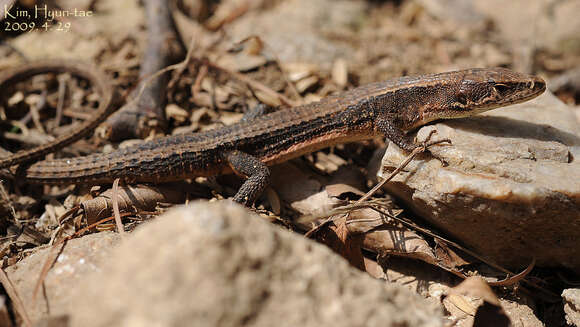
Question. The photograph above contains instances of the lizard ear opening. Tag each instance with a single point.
(462, 98)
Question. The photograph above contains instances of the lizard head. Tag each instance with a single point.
(483, 89)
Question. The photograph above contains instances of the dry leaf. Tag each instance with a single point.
(241, 62)
(374, 269)
(328, 162)
(490, 312)
(447, 256)
(399, 241)
(306, 83)
(339, 190)
(337, 237)
(175, 112)
(297, 70)
(516, 278)
(132, 197)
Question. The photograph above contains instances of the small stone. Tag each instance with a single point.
(571, 298)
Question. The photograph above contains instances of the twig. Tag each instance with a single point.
(339, 210)
(120, 227)
(516, 278)
(134, 118)
(41, 104)
(149, 79)
(53, 255)
(411, 156)
(251, 82)
(278, 63)
(181, 66)
(60, 104)
(58, 247)
(198, 79)
(467, 251)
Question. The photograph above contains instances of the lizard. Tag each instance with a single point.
(390, 109)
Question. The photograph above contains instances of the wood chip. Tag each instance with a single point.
(15, 99)
(298, 70)
(242, 62)
(175, 112)
(340, 72)
(267, 98)
(306, 83)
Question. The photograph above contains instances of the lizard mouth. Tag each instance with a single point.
(502, 93)
(517, 92)
(490, 94)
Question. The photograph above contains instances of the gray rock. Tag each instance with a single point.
(215, 264)
(571, 298)
(512, 187)
(457, 10)
(520, 314)
(555, 23)
(79, 257)
(295, 30)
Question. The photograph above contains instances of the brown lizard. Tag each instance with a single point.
(390, 109)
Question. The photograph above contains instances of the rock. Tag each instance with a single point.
(78, 258)
(462, 308)
(571, 298)
(511, 191)
(555, 23)
(457, 10)
(295, 30)
(520, 314)
(214, 264)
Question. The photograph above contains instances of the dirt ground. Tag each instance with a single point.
(194, 65)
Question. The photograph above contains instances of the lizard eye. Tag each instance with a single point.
(502, 89)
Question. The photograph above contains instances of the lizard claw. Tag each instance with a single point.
(443, 162)
(428, 143)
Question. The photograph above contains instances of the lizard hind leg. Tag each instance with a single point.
(256, 172)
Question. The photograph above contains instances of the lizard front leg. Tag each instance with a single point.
(256, 172)
(405, 142)
(389, 129)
